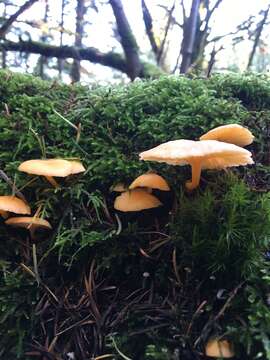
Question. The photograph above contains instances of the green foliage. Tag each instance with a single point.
(223, 227)
(149, 271)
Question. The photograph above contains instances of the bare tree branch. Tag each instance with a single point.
(184, 13)
(173, 21)
(5, 27)
(212, 60)
(210, 13)
(148, 22)
(258, 35)
(110, 59)
(128, 41)
(161, 49)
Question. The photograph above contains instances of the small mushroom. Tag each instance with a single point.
(13, 204)
(219, 349)
(232, 133)
(51, 167)
(150, 180)
(136, 200)
(31, 223)
(208, 154)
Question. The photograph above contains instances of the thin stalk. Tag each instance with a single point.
(53, 182)
(196, 175)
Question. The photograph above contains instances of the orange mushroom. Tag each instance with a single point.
(232, 133)
(219, 349)
(136, 200)
(13, 204)
(208, 154)
(150, 180)
(51, 167)
(31, 223)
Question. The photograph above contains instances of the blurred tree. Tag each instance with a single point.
(258, 33)
(43, 60)
(80, 12)
(62, 37)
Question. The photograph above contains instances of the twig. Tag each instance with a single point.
(194, 316)
(175, 267)
(220, 313)
(5, 27)
(118, 350)
(66, 120)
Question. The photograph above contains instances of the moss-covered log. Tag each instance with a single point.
(151, 285)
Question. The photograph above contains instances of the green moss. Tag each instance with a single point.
(150, 271)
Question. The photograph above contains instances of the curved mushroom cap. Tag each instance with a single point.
(77, 167)
(48, 167)
(14, 205)
(211, 154)
(136, 200)
(219, 348)
(29, 222)
(152, 181)
(233, 134)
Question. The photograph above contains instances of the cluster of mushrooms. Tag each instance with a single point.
(220, 148)
(47, 168)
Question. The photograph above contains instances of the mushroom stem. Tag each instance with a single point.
(196, 169)
(52, 181)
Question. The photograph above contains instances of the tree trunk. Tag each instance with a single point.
(189, 30)
(128, 41)
(148, 22)
(60, 61)
(189, 37)
(43, 59)
(80, 12)
(4, 53)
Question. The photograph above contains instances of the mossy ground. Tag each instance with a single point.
(150, 285)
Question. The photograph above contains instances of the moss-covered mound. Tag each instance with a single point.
(156, 284)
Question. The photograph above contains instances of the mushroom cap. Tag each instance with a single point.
(136, 200)
(153, 181)
(48, 167)
(77, 166)
(14, 205)
(219, 348)
(232, 133)
(29, 222)
(211, 154)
